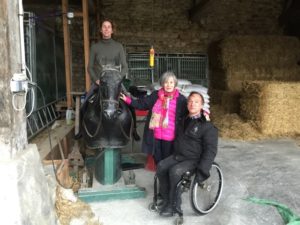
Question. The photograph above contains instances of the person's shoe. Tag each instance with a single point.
(161, 204)
(167, 211)
(78, 135)
(159, 197)
(135, 135)
(178, 210)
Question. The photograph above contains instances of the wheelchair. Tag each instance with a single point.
(204, 197)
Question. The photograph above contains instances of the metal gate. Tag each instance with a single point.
(45, 64)
(192, 67)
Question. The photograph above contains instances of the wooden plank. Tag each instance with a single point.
(43, 143)
(62, 171)
(77, 114)
(86, 39)
(67, 51)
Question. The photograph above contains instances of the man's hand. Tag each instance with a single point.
(97, 82)
(199, 178)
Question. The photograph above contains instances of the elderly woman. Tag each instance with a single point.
(166, 108)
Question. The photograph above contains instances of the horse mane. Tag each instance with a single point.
(111, 74)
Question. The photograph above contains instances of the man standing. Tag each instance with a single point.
(195, 148)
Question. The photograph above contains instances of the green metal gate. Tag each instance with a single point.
(192, 67)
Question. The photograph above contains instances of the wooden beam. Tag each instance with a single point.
(78, 14)
(98, 19)
(67, 52)
(86, 38)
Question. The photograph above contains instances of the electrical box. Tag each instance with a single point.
(19, 83)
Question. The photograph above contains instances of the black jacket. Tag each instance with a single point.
(199, 141)
(147, 103)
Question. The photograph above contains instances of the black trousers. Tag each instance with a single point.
(162, 150)
(169, 172)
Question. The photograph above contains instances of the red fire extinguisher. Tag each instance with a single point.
(151, 59)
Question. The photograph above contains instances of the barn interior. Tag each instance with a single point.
(246, 53)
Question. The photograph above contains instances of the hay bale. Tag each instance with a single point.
(232, 126)
(239, 52)
(215, 96)
(272, 106)
(239, 58)
(228, 100)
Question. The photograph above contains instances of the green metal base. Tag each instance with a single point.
(108, 166)
(114, 193)
(108, 185)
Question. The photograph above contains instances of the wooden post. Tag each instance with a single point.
(86, 38)
(77, 109)
(67, 52)
(98, 19)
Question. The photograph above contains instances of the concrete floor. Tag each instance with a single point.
(265, 169)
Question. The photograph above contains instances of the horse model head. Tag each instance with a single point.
(107, 122)
(110, 87)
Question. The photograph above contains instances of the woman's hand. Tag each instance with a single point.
(123, 97)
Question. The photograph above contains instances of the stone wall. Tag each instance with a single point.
(13, 137)
(168, 26)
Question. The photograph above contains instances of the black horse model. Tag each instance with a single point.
(107, 121)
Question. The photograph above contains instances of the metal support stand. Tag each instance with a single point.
(108, 183)
(108, 166)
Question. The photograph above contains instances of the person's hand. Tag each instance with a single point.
(199, 178)
(97, 82)
(123, 97)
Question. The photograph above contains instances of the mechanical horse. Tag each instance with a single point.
(107, 121)
(107, 126)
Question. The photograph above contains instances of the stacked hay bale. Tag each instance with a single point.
(244, 58)
(273, 106)
(256, 79)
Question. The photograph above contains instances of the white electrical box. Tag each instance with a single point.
(18, 83)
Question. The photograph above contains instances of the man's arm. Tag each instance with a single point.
(209, 152)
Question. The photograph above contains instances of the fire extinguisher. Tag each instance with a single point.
(151, 59)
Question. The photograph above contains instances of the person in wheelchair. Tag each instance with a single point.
(195, 148)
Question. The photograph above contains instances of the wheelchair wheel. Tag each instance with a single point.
(152, 207)
(206, 196)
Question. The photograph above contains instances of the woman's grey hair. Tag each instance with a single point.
(166, 76)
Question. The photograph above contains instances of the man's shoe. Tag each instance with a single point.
(135, 135)
(161, 204)
(167, 212)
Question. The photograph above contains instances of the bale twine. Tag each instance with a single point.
(272, 106)
(70, 208)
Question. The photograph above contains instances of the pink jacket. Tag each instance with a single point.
(168, 133)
